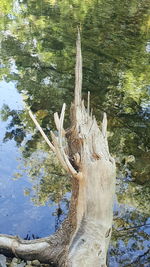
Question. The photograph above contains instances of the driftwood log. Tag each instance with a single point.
(83, 238)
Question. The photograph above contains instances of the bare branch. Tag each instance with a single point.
(41, 131)
(58, 151)
(63, 158)
(57, 120)
(70, 167)
(62, 115)
(57, 123)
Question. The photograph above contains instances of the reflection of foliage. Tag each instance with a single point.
(132, 141)
(41, 42)
(130, 237)
(131, 227)
(131, 243)
(16, 126)
(136, 195)
(61, 212)
(50, 182)
(39, 39)
(5, 9)
(20, 127)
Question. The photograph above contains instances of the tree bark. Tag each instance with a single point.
(83, 238)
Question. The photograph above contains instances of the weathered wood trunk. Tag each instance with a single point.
(82, 150)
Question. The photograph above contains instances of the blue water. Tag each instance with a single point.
(18, 214)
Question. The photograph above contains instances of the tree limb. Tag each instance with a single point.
(41, 131)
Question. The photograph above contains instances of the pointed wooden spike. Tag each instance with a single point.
(58, 123)
(57, 120)
(88, 106)
(62, 115)
(78, 71)
(104, 125)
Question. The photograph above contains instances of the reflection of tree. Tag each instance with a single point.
(131, 242)
(42, 50)
(137, 196)
(16, 126)
(40, 42)
(131, 225)
(114, 33)
(61, 213)
(130, 237)
(50, 183)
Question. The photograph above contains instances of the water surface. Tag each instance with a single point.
(37, 71)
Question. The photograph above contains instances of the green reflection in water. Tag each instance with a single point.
(38, 53)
